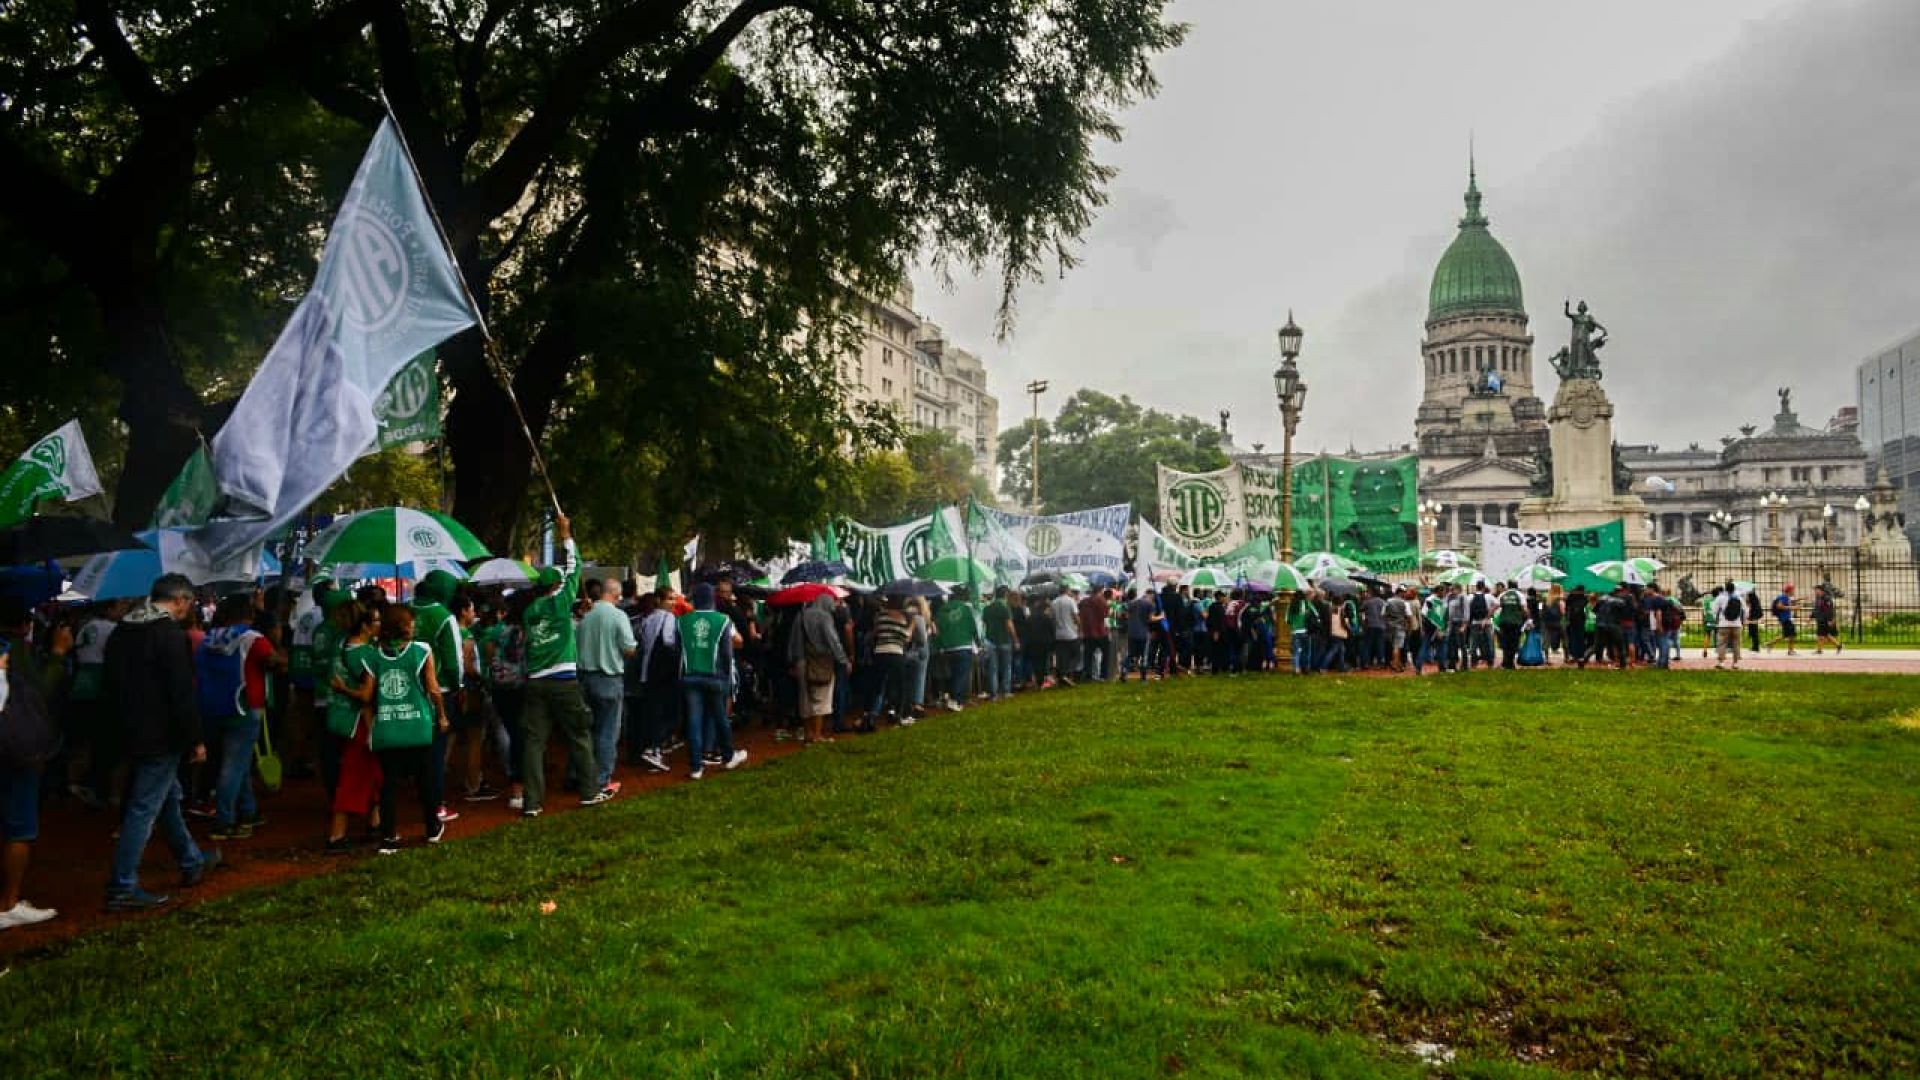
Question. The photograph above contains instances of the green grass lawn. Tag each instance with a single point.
(1647, 874)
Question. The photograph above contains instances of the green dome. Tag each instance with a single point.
(1476, 276)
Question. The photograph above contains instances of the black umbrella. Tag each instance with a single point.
(814, 570)
(911, 587)
(38, 539)
(740, 570)
(1370, 581)
(1042, 577)
(1340, 586)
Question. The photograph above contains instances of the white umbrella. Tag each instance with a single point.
(1446, 559)
(1536, 574)
(501, 572)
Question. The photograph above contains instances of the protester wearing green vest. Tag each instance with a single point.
(408, 711)
(553, 683)
(349, 720)
(1511, 618)
(957, 633)
(707, 641)
(437, 629)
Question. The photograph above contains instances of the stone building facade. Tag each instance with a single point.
(904, 361)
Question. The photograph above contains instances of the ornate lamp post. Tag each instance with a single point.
(1291, 394)
(1723, 523)
(1773, 502)
(1827, 513)
(1863, 509)
(1430, 522)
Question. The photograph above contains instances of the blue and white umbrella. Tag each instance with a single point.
(128, 575)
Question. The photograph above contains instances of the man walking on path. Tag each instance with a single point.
(606, 642)
(149, 675)
(1093, 636)
(553, 679)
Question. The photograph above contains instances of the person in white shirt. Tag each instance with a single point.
(1727, 619)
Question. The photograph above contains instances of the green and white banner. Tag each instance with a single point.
(190, 499)
(58, 466)
(1157, 556)
(409, 408)
(1576, 549)
(877, 556)
(1366, 510)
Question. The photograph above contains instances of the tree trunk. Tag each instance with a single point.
(165, 419)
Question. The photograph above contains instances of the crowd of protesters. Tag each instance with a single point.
(168, 708)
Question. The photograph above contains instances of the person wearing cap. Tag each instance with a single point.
(1826, 625)
(435, 627)
(553, 698)
(1782, 611)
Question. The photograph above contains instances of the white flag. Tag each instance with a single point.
(386, 291)
(58, 466)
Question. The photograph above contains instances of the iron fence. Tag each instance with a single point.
(1876, 597)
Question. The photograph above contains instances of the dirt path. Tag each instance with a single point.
(70, 860)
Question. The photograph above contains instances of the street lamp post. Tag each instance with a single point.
(1773, 502)
(1827, 514)
(1430, 522)
(1036, 388)
(1862, 511)
(1291, 393)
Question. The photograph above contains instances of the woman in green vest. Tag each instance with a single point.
(349, 720)
(707, 641)
(407, 712)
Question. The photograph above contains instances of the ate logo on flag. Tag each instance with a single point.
(51, 454)
(377, 266)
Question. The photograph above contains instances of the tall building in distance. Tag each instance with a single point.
(905, 361)
(1888, 385)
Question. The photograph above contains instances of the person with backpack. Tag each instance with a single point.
(1782, 610)
(1753, 617)
(503, 656)
(230, 670)
(653, 680)
(1480, 611)
(1826, 625)
(29, 738)
(1511, 618)
(1668, 616)
(149, 675)
(1727, 620)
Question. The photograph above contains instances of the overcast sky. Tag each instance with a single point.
(1734, 185)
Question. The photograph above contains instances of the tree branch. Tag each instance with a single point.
(128, 70)
(615, 35)
(271, 59)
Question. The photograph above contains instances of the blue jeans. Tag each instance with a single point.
(233, 787)
(917, 676)
(1302, 652)
(1662, 648)
(606, 697)
(705, 697)
(959, 674)
(153, 797)
(1000, 671)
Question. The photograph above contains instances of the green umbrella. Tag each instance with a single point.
(1325, 564)
(394, 534)
(1278, 576)
(1072, 580)
(1446, 559)
(1465, 577)
(955, 570)
(1536, 574)
(1208, 577)
(1623, 571)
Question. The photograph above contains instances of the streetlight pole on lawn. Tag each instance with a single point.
(1036, 388)
(1291, 393)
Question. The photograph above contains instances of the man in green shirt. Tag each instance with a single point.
(957, 626)
(1002, 640)
(435, 627)
(553, 681)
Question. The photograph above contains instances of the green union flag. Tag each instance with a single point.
(1576, 549)
(190, 499)
(58, 466)
(409, 408)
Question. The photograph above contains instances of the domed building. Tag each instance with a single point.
(1480, 424)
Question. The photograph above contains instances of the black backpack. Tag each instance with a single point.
(1477, 607)
(28, 736)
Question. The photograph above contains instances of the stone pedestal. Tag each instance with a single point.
(1580, 431)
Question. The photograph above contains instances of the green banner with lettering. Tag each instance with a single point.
(1576, 549)
(409, 408)
(1366, 510)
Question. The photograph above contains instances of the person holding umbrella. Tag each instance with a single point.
(816, 655)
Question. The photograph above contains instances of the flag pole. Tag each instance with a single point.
(491, 345)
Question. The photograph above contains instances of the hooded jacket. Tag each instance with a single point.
(149, 676)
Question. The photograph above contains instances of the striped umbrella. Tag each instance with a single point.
(501, 572)
(1446, 559)
(1623, 571)
(1536, 574)
(1208, 577)
(1465, 577)
(1276, 576)
(1325, 564)
(394, 535)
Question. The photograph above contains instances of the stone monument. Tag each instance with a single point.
(1580, 433)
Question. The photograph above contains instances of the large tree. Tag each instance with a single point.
(1102, 450)
(662, 206)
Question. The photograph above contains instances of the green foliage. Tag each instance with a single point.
(1551, 873)
(1102, 450)
(392, 477)
(932, 469)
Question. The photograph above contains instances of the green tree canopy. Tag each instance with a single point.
(667, 209)
(930, 469)
(1102, 450)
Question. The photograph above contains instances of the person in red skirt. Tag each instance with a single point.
(358, 791)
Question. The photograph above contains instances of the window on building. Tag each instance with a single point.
(886, 357)
(1802, 473)
(886, 386)
(1768, 476)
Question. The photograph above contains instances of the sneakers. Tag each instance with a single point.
(24, 914)
(612, 789)
(738, 759)
(447, 814)
(653, 762)
(533, 813)
(696, 774)
(200, 811)
(782, 735)
(231, 832)
(87, 798)
(907, 720)
(598, 797)
(136, 900)
(208, 860)
(711, 757)
(437, 835)
(339, 845)
(390, 845)
(516, 802)
(484, 793)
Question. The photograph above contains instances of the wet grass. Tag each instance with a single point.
(1652, 874)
